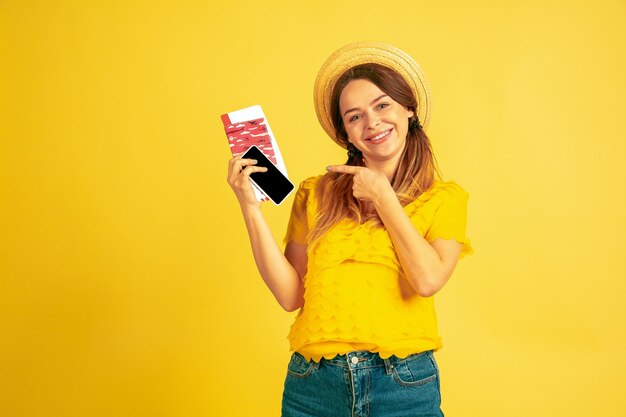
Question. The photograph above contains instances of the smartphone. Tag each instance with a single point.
(273, 183)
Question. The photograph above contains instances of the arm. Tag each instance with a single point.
(427, 266)
(281, 273)
(280, 276)
(297, 256)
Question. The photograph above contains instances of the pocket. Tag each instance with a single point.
(299, 367)
(415, 370)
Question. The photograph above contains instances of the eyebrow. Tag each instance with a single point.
(356, 108)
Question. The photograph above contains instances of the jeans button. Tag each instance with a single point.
(354, 360)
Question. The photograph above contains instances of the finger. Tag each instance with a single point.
(245, 173)
(250, 169)
(240, 164)
(344, 169)
(237, 165)
(244, 161)
(236, 156)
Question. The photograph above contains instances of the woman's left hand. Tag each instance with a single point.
(367, 185)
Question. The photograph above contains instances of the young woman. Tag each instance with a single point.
(368, 244)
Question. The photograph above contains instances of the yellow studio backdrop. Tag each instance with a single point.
(127, 283)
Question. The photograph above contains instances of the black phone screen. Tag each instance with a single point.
(273, 183)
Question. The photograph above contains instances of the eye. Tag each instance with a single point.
(353, 118)
(383, 105)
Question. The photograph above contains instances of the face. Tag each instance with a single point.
(376, 124)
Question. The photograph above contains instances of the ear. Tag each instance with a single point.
(409, 113)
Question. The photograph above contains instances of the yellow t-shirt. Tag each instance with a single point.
(356, 295)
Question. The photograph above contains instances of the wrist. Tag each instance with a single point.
(250, 209)
(386, 198)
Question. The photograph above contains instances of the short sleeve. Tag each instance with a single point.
(450, 219)
(298, 228)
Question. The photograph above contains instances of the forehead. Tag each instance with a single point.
(359, 93)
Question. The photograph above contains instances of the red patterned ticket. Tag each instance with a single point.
(244, 134)
(247, 127)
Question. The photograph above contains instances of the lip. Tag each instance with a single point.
(369, 138)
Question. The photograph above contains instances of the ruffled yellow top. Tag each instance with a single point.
(356, 295)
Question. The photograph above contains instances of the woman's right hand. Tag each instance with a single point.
(239, 171)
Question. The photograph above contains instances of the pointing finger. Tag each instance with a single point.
(344, 169)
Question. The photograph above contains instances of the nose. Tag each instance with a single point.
(372, 121)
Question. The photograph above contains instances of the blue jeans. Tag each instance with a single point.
(361, 384)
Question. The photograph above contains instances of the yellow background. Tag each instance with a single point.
(127, 284)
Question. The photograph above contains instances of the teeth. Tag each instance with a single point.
(382, 135)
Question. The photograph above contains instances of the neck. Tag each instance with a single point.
(387, 167)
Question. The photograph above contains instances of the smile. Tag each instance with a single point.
(380, 136)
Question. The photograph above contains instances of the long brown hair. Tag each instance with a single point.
(416, 169)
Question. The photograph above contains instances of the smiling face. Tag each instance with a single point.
(375, 123)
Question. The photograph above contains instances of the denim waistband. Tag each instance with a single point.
(360, 359)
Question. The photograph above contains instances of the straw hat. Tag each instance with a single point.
(369, 52)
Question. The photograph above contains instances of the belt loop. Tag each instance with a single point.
(388, 366)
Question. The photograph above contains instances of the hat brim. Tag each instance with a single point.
(369, 52)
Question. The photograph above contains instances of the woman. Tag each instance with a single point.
(368, 244)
